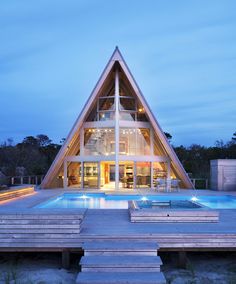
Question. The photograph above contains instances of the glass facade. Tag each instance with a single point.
(106, 104)
(130, 107)
(126, 174)
(143, 142)
(127, 141)
(103, 116)
(128, 116)
(143, 174)
(159, 171)
(127, 104)
(136, 140)
(131, 174)
(90, 175)
(99, 141)
(74, 174)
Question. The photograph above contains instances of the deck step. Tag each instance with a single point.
(120, 248)
(120, 278)
(121, 263)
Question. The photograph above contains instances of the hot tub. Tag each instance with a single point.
(171, 211)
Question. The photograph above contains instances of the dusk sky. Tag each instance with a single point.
(181, 53)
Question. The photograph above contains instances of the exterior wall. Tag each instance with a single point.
(223, 174)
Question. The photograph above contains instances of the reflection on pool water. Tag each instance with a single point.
(104, 201)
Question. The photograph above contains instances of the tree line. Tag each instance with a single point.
(32, 156)
(35, 154)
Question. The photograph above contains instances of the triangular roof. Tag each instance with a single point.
(116, 57)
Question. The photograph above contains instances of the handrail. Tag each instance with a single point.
(31, 179)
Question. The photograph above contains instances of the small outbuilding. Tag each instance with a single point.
(223, 174)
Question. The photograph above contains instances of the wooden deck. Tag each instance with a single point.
(58, 230)
(40, 229)
(28, 229)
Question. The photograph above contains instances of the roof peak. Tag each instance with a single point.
(116, 55)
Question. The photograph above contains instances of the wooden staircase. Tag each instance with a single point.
(49, 229)
(120, 262)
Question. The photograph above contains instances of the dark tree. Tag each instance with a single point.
(168, 136)
(43, 140)
(234, 136)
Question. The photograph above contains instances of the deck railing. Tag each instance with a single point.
(18, 180)
(200, 183)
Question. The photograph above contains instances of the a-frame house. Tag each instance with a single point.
(116, 142)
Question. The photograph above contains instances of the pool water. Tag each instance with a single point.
(103, 201)
(173, 204)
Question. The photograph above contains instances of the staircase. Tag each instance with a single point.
(120, 262)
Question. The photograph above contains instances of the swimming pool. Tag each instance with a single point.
(104, 201)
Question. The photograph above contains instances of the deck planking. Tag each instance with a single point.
(99, 225)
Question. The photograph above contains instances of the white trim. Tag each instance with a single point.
(99, 124)
(65, 180)
(121, 158)
(117, 129)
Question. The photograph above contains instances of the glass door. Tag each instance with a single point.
(90, 174)
(74, 174)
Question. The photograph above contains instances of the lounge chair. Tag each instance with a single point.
(161, 184)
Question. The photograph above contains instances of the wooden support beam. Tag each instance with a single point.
(182, 259)
(65, 259)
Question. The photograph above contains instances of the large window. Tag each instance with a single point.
(106, 104)
(143, 142)
(159, 171)
(158, 148)
(74, 174)
(135, 141)
(109, 115)
(91, 175)
(104, 107)
(128, 116)
(127, 104)
(127, 144)
(141, 116)
(126, 174)
(143, 174)
(99, 141)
